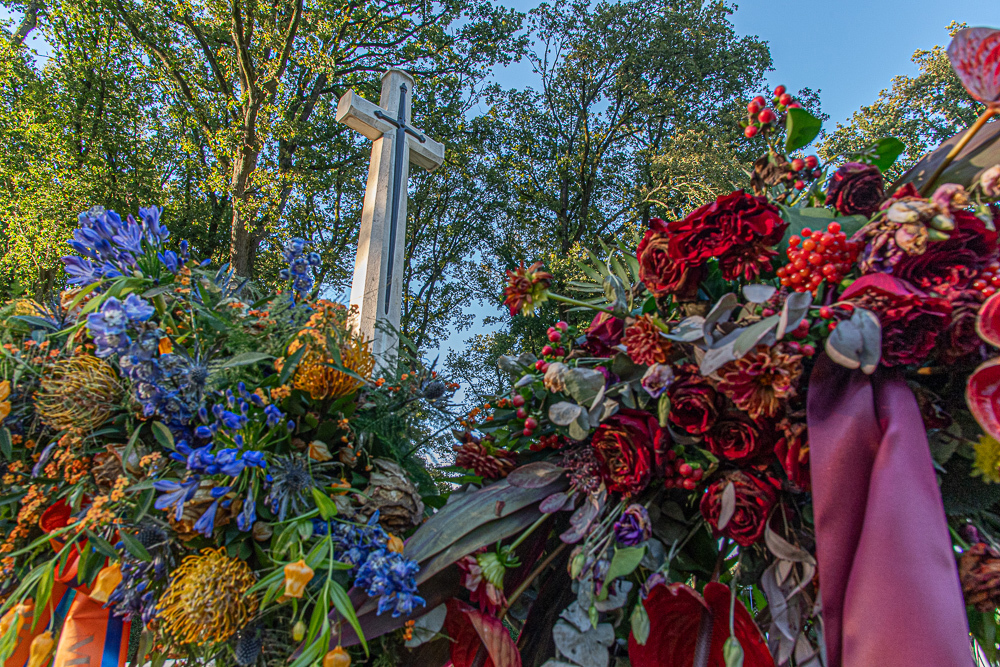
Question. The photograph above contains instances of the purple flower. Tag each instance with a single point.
(656, 379)
(137, 309)
(634, 527)
(175, 494)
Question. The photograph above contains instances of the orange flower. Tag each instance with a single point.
(297, 575)
(645, 342)
(759, 381)
(338, 657)
(107, 581)
(395, 544)
(41, 649)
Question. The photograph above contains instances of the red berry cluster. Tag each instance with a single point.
(553, 441)
(762, 119)
(804, 170)
(835, 313)
(680, 474)
(817, 257)
(988, 280)
(555, 335)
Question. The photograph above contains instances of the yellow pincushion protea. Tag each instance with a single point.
(78, 393)
(316, 372)
(206, 601)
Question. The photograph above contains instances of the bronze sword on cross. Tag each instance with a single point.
(377, 286)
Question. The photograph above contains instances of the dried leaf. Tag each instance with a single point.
(534, 475)
(784, 549)
(727, 506)
(719, 313)
(753, 335)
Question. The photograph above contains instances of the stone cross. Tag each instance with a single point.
(378, 268)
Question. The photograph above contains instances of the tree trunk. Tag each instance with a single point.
(242, 242)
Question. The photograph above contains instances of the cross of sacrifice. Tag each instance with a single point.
(378, 273)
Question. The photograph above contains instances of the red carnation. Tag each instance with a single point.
(754, 499)
(645, 342)
(693, 401)
(911, 321)
(629, 448)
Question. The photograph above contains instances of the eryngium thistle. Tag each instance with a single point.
(207, 600)
(79, 393)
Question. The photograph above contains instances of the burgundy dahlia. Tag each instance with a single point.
(645, 342)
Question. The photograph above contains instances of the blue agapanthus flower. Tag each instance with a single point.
(109, 247)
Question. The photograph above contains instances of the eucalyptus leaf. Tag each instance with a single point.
(564, 413)
(720, 312)
(688, 330)
(753, 335)
(727, 506)
(757, 293)
(845, 344)
(583, 384)
(793, 311)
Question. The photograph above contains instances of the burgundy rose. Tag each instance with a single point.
(605, 331)
(735, 439)
(911, 320)
(723, 229)
(856, 189)
(754, 499)
(962, 339)
(693, 401)
(952, 265)
(629, 447)
(662, 274)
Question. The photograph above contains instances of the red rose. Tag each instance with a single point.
(605, 331)
(630, 448)
(911, 321)
(724, 229)
(661, 274)
(693, 401)
(735, 439)
(754, 500)
(856, 189)
(962, 339)
(952, 265)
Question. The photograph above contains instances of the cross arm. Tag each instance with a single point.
(359, 114)
(428, 153)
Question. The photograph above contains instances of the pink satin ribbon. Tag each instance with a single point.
(888, 579)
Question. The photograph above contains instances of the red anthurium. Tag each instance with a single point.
(676, 613)
(470, 630)
(982, 393)
(975, 55)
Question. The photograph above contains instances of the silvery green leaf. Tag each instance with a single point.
(564, 413)
(616, 601)
(727, 506)
(580, 428)
(716, 358)
(871, 335)
(758, 293)
(688, 330)
(845, 344)
(598, 398)
(754, 335)
(524, 381)
(583, 384)
(625, 368)
(606, 409)
(793, 311)
(576, 614)
(720, 312)
(427, 626)
(656, 554)
(587, 649)
(615, 293)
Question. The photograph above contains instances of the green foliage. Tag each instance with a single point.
(922, 111)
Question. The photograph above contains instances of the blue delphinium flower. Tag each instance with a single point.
(300, 265)
(175, 494)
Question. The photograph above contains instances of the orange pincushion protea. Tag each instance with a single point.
(759, 381)
(317, 372)
(79, 393)
(207, 600)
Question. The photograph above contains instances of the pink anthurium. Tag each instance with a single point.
(679, 617)
(975, 55)
(982, 393)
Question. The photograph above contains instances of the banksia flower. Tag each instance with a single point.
(317, 373)
(759, 381)
(207, 601)
(979, 571)
(527, 288)
(391, 493)
(473, 456)
(79, 393)
(645, 343)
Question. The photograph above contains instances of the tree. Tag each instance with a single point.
(921, 111)
(593, 153)
(248, 81)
